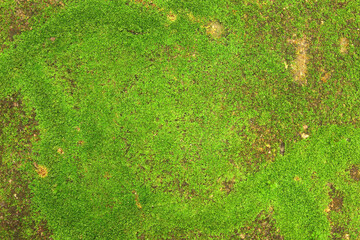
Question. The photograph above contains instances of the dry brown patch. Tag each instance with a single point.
(263, 227)
(325, 75)
(298, 66)
(148, 4)
(355, 173)
(336, 204)
(194, 19)
(228, 185)
(41, 170)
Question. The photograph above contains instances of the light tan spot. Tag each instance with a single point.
(299, 68)
(297, 178)
(304, 135)
(60, 151)
(327, 209)
(344, 43)
(215, 29)
(137, 200)
(171, 17)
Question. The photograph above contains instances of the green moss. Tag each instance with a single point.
(158, 129)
